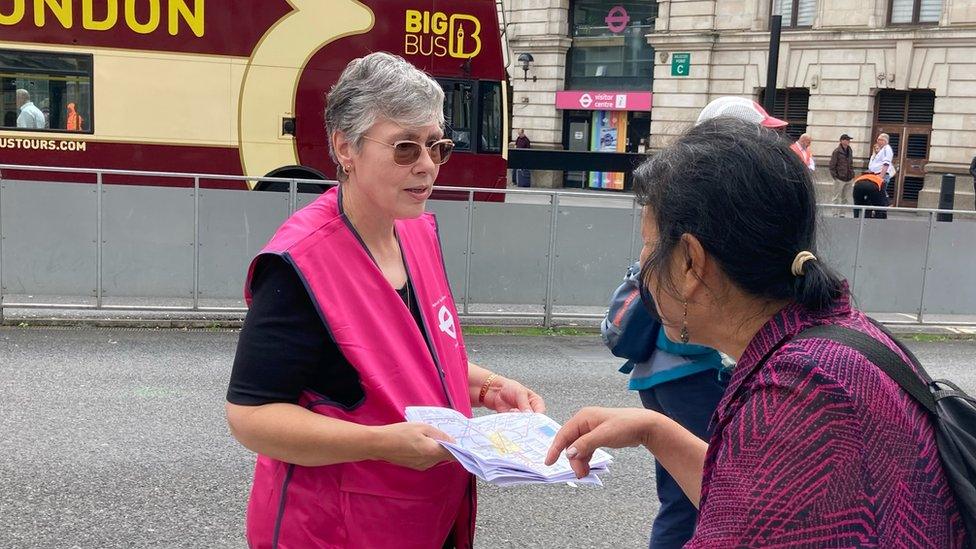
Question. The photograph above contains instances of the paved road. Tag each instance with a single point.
(115, 438)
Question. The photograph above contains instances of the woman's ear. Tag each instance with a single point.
(694, 268)
(342, 148)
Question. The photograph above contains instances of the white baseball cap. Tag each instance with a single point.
(741, 108)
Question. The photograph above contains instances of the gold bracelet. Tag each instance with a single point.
(484, 388)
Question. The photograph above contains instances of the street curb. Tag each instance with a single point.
(236, 322)
(194, 324)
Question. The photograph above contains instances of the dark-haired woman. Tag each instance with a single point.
(813, 445)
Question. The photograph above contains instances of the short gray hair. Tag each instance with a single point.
(380, 85)
(23, 94)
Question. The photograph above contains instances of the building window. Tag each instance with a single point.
(490, 103)
(41, 91)
(610, 49)
(913, 12)
(458, 112)
(796, 13)
(791, 105)
(906, 107)
(467, 121)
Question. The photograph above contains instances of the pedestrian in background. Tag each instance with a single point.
(523, 177)
(742, 108)
(880, 162)
(802, 149)
(30, 116)
(814, 446)
(681, 381)
(74, 121)
(869, 191)
(842, 170)
(972, 172)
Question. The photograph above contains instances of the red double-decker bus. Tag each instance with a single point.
(232, 86)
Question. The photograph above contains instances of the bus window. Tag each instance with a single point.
(45, 91)
(490, 107)
(458, 105)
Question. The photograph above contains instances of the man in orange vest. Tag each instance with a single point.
(869, 191)
(802, 149)
(74, 119)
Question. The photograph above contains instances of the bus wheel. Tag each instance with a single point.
(297, 172)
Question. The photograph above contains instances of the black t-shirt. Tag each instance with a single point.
(284, 348)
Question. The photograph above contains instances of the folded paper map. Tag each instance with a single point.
(506, 449)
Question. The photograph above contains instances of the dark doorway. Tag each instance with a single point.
(906, 116)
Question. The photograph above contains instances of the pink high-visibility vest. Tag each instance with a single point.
(370, 504)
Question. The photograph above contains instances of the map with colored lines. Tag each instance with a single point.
(507, 448)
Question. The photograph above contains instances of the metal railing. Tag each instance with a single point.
(554, 198)
(932, 214)
(99, 241)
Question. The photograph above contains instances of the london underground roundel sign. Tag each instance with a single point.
(617, 19)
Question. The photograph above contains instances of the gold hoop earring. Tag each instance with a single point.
(684, 325)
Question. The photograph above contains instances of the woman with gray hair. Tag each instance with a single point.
(881, 159)
(352, 320)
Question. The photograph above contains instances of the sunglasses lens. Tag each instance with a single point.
(441, 152)
(406, 153)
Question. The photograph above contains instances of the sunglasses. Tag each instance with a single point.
(407, 153)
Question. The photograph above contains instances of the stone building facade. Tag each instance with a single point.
(539, 28)
(905, 67)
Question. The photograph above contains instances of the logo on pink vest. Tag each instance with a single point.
(446, 320)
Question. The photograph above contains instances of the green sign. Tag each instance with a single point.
(680, 64)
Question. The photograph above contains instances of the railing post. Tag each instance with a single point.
(292, 197)
(925, 266)
(98, 239)
(857, 252)
(553, 219)
(2, 185)
(196, 243)
(467, 252)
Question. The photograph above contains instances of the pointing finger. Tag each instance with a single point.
(580, 453)
(568, 434)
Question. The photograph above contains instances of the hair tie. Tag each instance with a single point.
(799, 260)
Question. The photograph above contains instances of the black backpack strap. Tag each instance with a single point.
(882, 356)
(911, 356)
